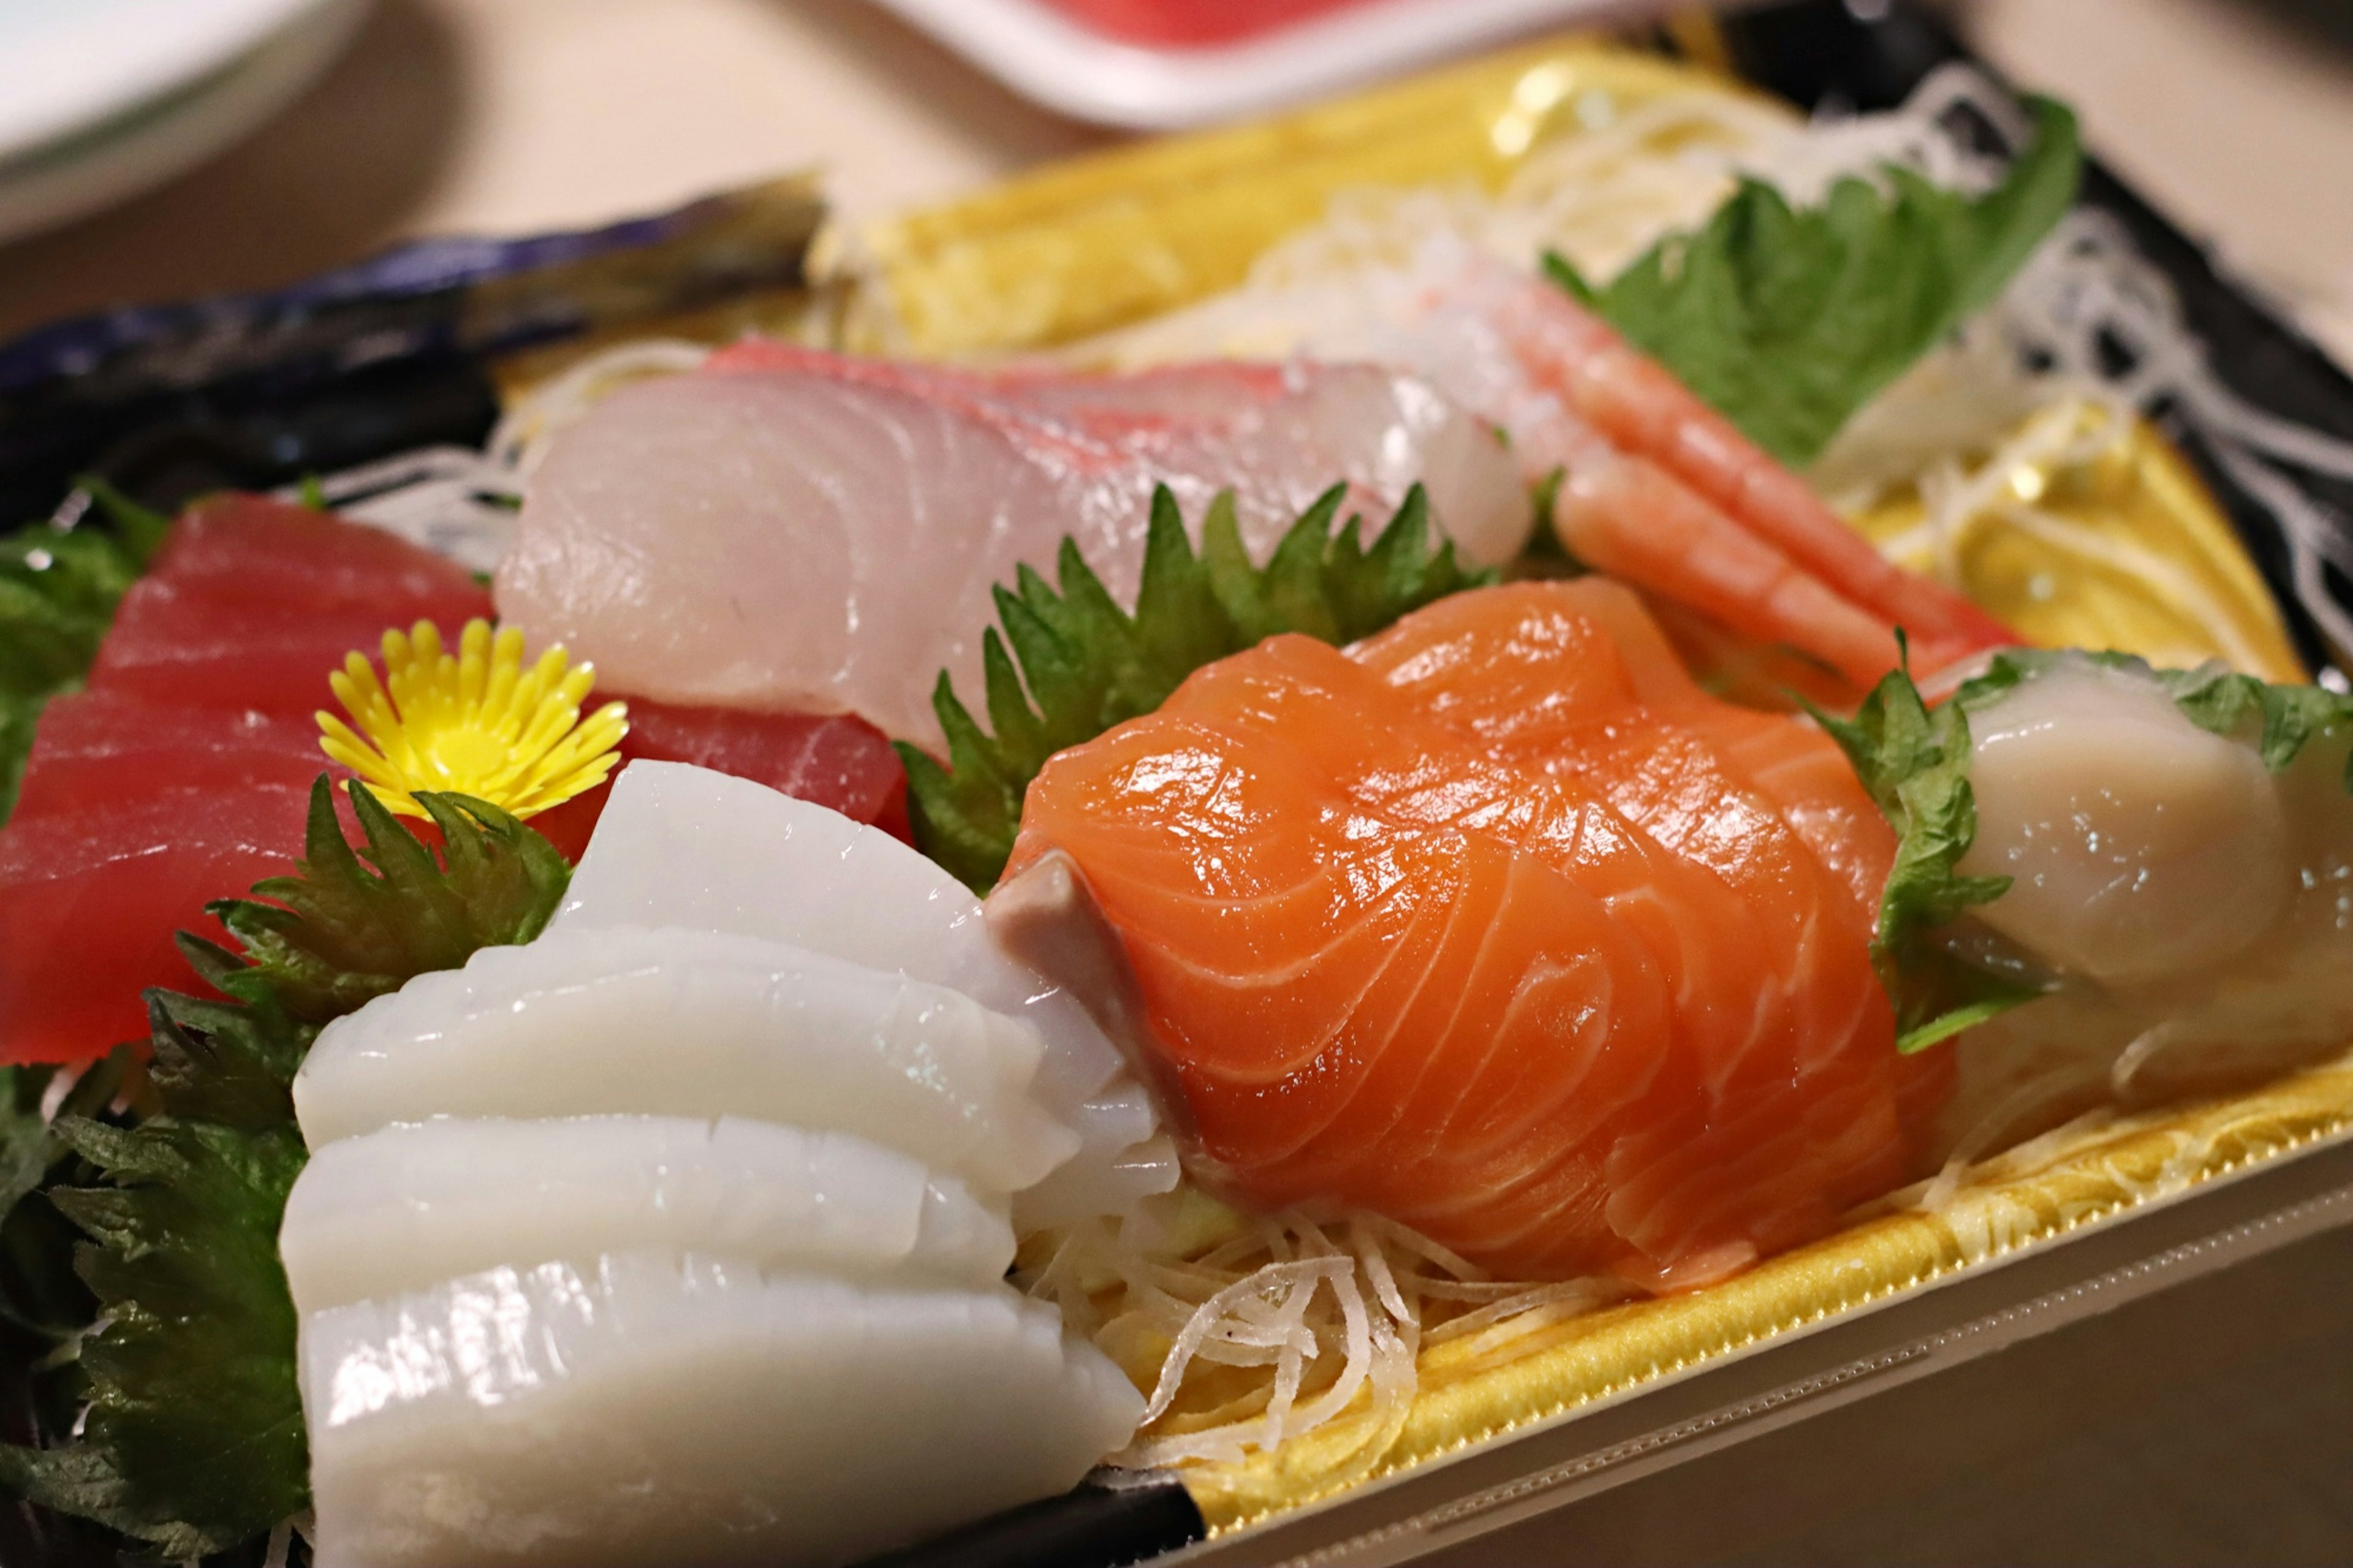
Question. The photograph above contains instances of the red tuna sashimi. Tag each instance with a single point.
(277, 557)
(835, 760)
(101, 747)
(252, 604)
(181, 775)
(281, 671)
(89, 900)
(1493, 926)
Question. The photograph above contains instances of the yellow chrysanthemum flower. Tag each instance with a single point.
(474, 722)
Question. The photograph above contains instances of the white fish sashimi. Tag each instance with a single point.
(405, 1207)
(687, 847)
(651, 1411)
(628, 1021)
(822, 534)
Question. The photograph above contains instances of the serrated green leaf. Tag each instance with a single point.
(1787, 321)
(1071, 663)
(356, 924)
(193, 1439)
(1915, 764)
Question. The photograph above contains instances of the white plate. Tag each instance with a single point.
(100, 98)
(1045, 57)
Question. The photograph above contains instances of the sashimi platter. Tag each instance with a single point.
(1230, 825)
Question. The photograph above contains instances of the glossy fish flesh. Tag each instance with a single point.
(1496, 925)
(794, 529)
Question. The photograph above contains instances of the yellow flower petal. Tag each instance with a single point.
(474, 720)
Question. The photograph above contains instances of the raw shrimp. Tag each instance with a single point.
(1656, 487)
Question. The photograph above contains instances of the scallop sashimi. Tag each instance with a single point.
(562, 1027)
(648, 1410)
(812, 532)
(407, 1206)
(681, 845)
(2186, 905)
(1457, 928)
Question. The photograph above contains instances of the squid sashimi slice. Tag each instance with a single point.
(648, 1410)
(681, 845)
(405, 1207)
(824, 534)
(679, 1022)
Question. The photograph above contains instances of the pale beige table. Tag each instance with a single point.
(509, 116)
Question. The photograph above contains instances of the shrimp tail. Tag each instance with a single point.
(1662, 490)
(1631, 519)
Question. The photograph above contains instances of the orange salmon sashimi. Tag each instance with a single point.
(1498, 926)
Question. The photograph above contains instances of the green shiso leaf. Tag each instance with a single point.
(194, 1440)
(1915, 764)
(354, 924)
(1071, 663)
(1787, 321)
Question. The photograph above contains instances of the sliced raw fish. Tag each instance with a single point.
(251, 604)
(835, 760)
(405, 1207)
(626, 1020)
(686, 846)
(93, 748)
(823, 534)
(1456, 927)
(181, 775)
(278, 670)
(90, 899)
(271, 557)
(647, 1411)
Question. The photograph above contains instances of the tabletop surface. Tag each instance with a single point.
(2209, 1424)
(512, 116)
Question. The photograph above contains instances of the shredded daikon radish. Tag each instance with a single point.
(2087, 320)
(1283, 1324)
(2108, 323)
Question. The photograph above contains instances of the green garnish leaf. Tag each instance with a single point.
(193, 1438)
(1787, 321)
(353, 925)
(1079, 664)
(1915, 764)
